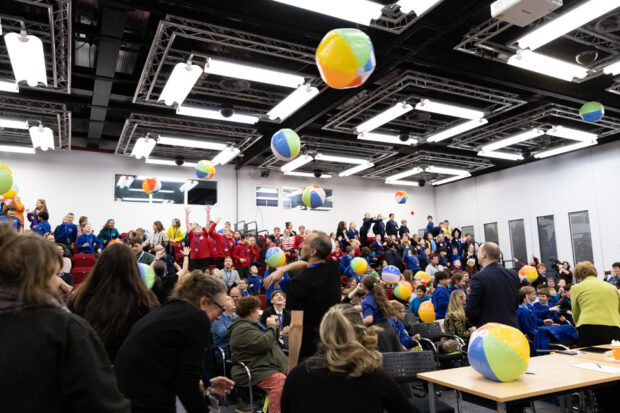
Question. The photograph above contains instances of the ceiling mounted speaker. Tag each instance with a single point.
(421, 183)
(419, 115)
(226, 111)
(317, 173)
(608, 24)
(403, 136)
(264, 173)
(235, 85)
(587, 57)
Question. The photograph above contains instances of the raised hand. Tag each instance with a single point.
(188, 210)
(208, 208)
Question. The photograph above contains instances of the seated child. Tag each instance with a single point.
(528, 322)
(243, 287)
(397, 322)
(88, 243)
(541, 308)
(565, 308)
(345, 262)
(441, 296)
(456, 322)
(255, 281)
(420, 297)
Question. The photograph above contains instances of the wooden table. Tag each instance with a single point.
(598, 357)
(552, 374)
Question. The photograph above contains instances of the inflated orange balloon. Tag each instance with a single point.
(426, 312)
(529, 272)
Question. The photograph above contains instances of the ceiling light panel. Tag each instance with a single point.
(512, 140)
(306, 174)
(564, 149)
(405, 174)
(385, 138)
(357, 11)
(180, 83)
(384, 117)
(339, 159)
(290, 104)
(457, 130)
(501, 155)
(252, 73)
(356, 169)
(215, 114)
(190, 143)
(27, 58)
(296, 163)
(427, 105)
(549, 66)
(569, 133)
(419, 7)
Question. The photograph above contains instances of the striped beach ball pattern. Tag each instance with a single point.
(591, 111)
(151, 185)
(285, 144)
(275, 257)
(205, 170)
(148, 274)
(313, 196)
(400, 197)
(403, 290)
(359, 265)
(390, 274)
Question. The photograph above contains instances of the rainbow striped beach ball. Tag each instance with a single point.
(403, 290)
(400, 197)
(359, 265)
(499, 352)
(390, 274)
(285, 144)
(148, 274)
(6, 178)
(591, 111)
(313, 196)
(12, 192)
(275, 257)
(345, 58)
(205, 170)
(151, 185)
(528, 272)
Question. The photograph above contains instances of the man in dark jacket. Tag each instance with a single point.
(391, 227)
(494, 291)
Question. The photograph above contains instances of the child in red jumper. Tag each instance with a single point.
(200, 244)
(243, 254)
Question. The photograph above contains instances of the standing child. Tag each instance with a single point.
(255, 281)
(35, 216)
(403, 228)
(43, 225)
(441, 296)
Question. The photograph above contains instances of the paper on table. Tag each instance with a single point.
(598, 367)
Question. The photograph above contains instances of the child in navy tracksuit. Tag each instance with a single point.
(441, 295)
(43, 226)
(528, 322)
(397, 322)
(402, 230)
(255, 282)
(542, 309)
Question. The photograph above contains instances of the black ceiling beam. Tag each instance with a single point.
(113, 18)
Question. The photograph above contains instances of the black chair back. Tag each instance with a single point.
(427, 330)
(404, 366)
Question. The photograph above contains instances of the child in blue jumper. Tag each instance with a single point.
(397, 322)
(43, 225)
(441, 296)
(528, 322)
(255, 281)
(88, 243)
(542, 308)
(420, 297)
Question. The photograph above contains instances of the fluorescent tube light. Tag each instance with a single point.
(252, 73)
(454, 178)
(13, 124)
(358, 11)
(448, 110)
(569, 133)
(214, 114)
(143, 148)
(356, 169)
(8, 86)
(296, 163)
(42, 137)
(569, 21)
(419, 7)
(512, 140)
(17, 149)
(169, 162)
(190, 143)
(549, 66)
(564, 149)
(403, 183)
(307, 175)
(180, 83)
(163, 191)
(290, 104)
(446, 171)
(27, 58)
(227, 155)
(384, 117)
(405, 174)
(612, 69)
(501, 155)
(385, 138)
(457, 130)
(125, 181)
(267, 190)
(189, 184)
(339, 159)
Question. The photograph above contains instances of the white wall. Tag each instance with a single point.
(582, 180)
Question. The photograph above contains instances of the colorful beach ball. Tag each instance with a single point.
(403, 290)
(205, 170)
(426, 312)
(6, 178)
(390, 274)
(151, 185)
(148, 274)
(275, 257)
(591, 111)
(115, 241)
(422, 276)
(400, 197)
(359, 265)
(528, 272)
(285, 144)
(12, 192)
(313, 196)
(499, 352)
(345, 58)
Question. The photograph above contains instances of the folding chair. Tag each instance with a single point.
(430, 333)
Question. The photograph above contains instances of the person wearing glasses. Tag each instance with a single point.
(162, 357)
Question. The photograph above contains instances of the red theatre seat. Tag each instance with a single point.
(389, 293)
(79, 275)
(263, 301)
(83, 260)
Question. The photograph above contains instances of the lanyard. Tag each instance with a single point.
(228, 275)
(198, 240)
(140, 256)
(214, 243)
(174, 233)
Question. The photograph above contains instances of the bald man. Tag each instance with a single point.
(493, 292)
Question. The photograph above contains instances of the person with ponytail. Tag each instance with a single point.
(46, 348)
(163, 355)
(347, 363)
(376, 310)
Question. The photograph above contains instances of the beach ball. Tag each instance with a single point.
(359, 265)
(6, 178)
(12, 192)
(345, 58)
(591, 111)
(275, 257)
(151, 185)
(390, 274)
(426, 312)
(403, 290)
(285, 144)
(422, 276)
(205, 170)
(313, 196)
(528, 272)
(115, 241)
(400, 197)
(499, 352)
(148, 274)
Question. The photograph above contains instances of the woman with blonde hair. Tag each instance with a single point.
(157, 235)
(33, 216)
(456, 322)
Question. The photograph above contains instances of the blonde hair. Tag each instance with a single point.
(585, 269)
(355, 243)
(348, 345)
(397, 307)
(455, 306)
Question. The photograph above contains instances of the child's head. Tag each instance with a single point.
(403, 222)
(350, 251)
(277, 298)
(567, 291)
(542, 268)
(408, 275)
(393, 237)
(429, 236)
(543, 295)
(366, 252)
(228, 262)
(561, 282)
(456, 263)
(276, 230)
(253, 269)
(352, 283)
(44, 216)
(465, 277)
(457, 302)
(527, 294)
(87, 229)
(215, 272)
(70, 217)
(440, 237)
(457, 280)
(442, 278)
(429, 218)
(455, 250)
(237, 234)
(420, 291)
(398, 309)
(378, 237)
(81, 222)
(243, 284)
(372, 285)
(443, 252)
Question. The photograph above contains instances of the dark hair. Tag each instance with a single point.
(9, 208)
(322, 244)
(441, 275)
(366, 252)
(391, 214)
(135, 240)
(159, 226)
(615, 264)
(456, 278)
(272, 238)
(544, 291)
(349, 249)
(113, 289)
(247, 305)
(177, 222)
(197, 285)
(44, 216)
(524, 291)
(342, 226)
(374, 287)
(159, 268)
(567, 264)
(567, 287)
(430, 216)
(421, 287)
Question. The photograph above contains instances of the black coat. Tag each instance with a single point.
(286, 316)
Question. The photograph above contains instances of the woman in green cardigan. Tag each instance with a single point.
(257, 347)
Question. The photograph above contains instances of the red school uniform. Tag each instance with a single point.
(242, 251)
(200, 245)
(218, 243)
(298, 241)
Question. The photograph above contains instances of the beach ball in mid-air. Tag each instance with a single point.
(6, 178)
(12, 192)
(400, 197)
(205, 170)
(499, 352)
(403, 290)
(422, 276)
(151, 185)
(275, 257)
(359, 265)
(345, 58)
(285, 144)
(390, 274)
(528, 272)
(426, 312)
(147, 273)
(313, 196)
(591, 111)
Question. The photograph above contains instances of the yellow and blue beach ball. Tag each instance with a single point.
(400, 197)
(403, 290)
(313, 196)
(6, 178)
(285, 144)
(275, 257)
(591, 111)
(359, 265)
(148, 274)
(205, 170)
(528, 272)
(12, 192)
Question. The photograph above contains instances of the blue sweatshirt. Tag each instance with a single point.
(391, 227)
(352, 234)
(281, 286)
(345, 262)
(441, 298)
(366, 223)
(416, 302)
(542, 311)
(42, 228)
(256, 283)
(429, 227)
(91, 240)
(66, 233)
(15, 222)
(404, 338)
(528, 322)
(370, 307)
(412, 260)
(379, 227)
(377, 246)
(403, 230)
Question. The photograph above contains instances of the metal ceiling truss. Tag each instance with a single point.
(56, 37)
(139, 125)
(497, 101)
(395, 25)
(537, 117)
(52, 115)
